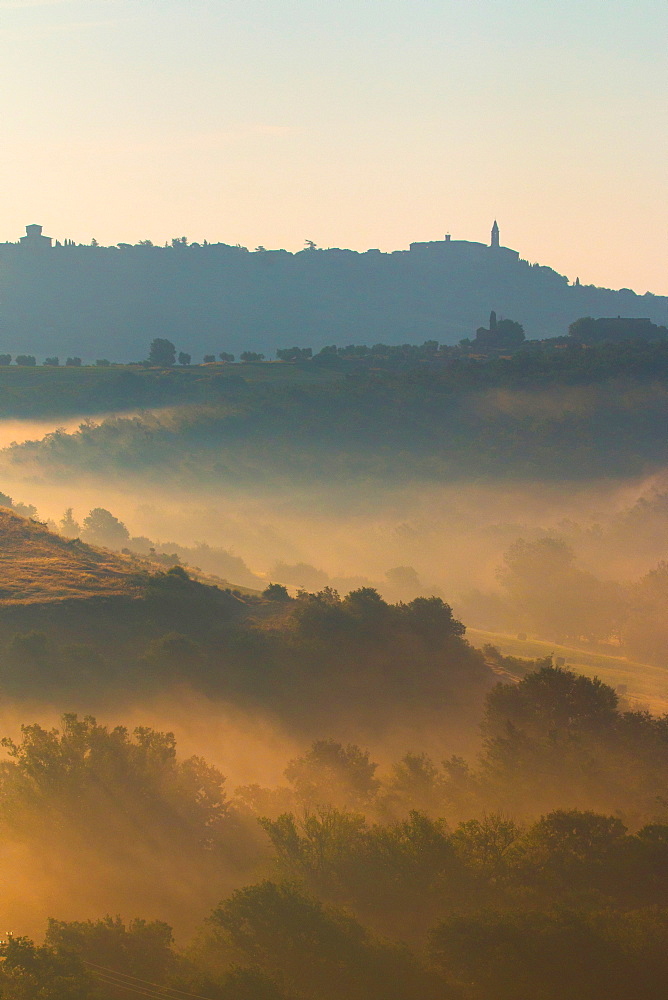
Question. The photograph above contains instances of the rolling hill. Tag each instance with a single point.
(38, 566)
(92, 301)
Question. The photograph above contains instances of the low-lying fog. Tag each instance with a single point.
(452, 535)
(16, 430)
(449, 539)
(568, 562)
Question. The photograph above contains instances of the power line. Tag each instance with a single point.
(134, 981)
(117, 985)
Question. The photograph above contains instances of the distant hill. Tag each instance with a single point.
(560, 414)
(78, 622)
(109, 302)
(38, 566)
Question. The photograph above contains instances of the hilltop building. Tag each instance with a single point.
(60, 298)
(454, 250)
(33, 239)
(467, 249)
(502, 334)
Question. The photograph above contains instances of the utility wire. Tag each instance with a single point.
(164, 991)
(116, 985)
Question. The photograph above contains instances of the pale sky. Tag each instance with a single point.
(354, 123)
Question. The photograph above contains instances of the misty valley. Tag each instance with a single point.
(333, 500)
(337, 677)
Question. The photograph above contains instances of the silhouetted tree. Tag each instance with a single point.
(276, 592)
(29, 970)
(68, 526)
(294, 353)
(550, 700)
(330, 772)
(605, 330)
(509, 332)
(141, 949)
(102, 528)
(552, 596)
(162, 353)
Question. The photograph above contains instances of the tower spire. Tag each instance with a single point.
(495, 235)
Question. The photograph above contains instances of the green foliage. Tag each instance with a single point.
(598, 331)
(171, 652)
(363, 612)
(68, 778)
(28, 971)
(339, 773)
(557, 738)
(572, 902)
(142, 948)
(276, 592)
(566, 412)
(417, 783)
(325, 848)
(483, 845)
(554, 954)
(100, 527)
(294, 354)
(275, 926)
(259, 649)
(162, 353)
(576, 849)
(550, 700)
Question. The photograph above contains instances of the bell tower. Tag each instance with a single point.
(495, 236)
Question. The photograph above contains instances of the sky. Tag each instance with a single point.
(353, 123)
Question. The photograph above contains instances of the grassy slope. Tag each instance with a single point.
(647, 686)
(37, 566)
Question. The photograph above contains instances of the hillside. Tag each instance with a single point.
(37, 566)
(572, 415)
(642, 685)
(91, 301)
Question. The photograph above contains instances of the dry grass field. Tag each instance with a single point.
(641, 684)
(37, 566)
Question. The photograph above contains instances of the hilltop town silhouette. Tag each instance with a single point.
(61, 296)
